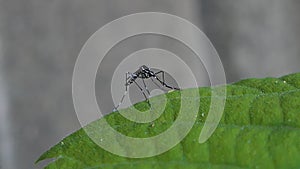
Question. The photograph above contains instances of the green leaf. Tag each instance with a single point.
(259, 129)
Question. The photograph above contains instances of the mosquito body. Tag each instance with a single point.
(143, 73)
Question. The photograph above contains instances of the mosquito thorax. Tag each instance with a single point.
(144, 67)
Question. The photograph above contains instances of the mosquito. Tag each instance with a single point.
(143, 73)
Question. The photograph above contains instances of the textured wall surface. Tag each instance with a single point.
(254, 38)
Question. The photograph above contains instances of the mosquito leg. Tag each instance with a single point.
(163, 74)
(163, 81)
(125, 93)
(157, 84)
(141, 89)
(145, 86)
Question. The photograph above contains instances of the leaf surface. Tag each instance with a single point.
(259, 129)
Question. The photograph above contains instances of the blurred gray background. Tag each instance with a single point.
(40, 41)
